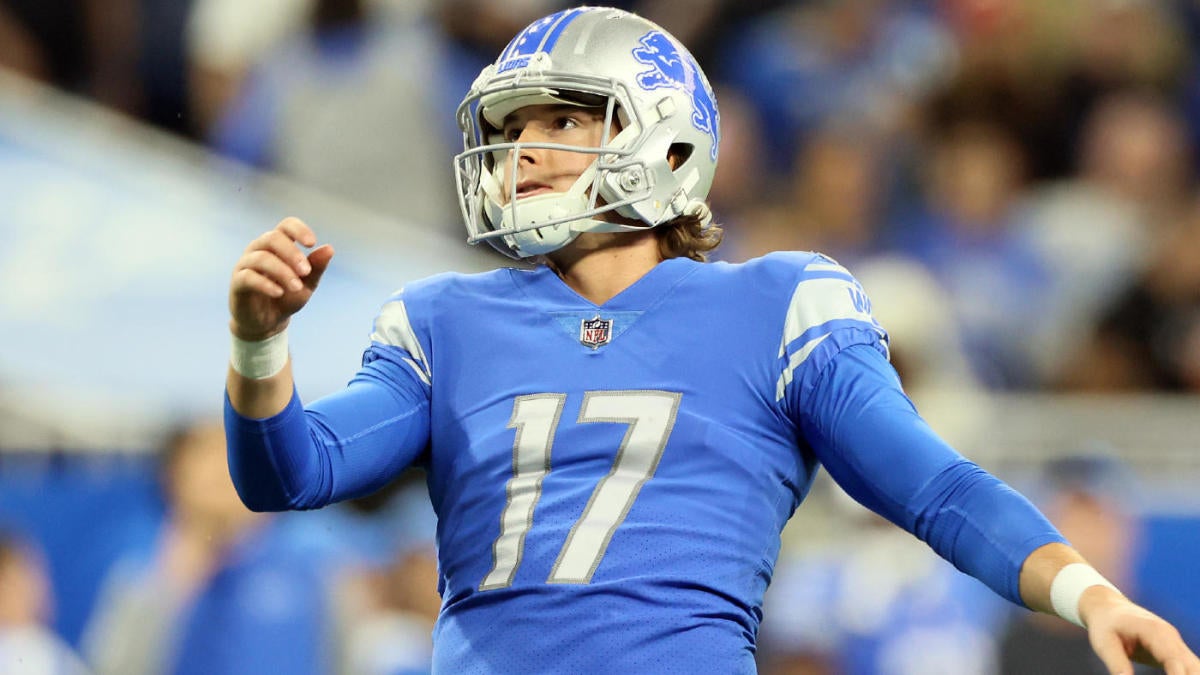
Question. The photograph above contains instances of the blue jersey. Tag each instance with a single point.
(611, 481)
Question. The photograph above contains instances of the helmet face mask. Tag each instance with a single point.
(647, 85)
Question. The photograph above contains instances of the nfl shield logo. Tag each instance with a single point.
(595, 332)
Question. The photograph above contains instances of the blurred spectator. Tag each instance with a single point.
(968, 235)
(1089, 500)
(813, 62)
(220, 593)
(386, 579)
(1041, 67)
(1149, 337)
(88, 47)
(1011, 64)
(124, 54)
(27, 646)
(346, 106)
(391, 615)
(1097, 230)
(226, 38)
(390, 608)
(878, 602)
(832, 202)
(1122, 45)
(1135, 147)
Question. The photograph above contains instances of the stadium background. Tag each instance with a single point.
(1013, 181)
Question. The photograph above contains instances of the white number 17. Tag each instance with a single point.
(650, 416)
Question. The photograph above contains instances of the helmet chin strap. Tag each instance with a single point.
(526, 217)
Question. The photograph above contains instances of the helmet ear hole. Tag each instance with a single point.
(679, 153)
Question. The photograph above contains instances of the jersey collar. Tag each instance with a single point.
(553, 294)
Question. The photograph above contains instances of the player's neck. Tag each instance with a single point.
(598, 266)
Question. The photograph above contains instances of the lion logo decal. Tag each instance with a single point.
(674, 68)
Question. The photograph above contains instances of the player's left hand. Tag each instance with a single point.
(1121, 631)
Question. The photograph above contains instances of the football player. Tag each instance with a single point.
(615, 439)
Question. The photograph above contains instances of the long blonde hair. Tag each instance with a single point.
(685, 237)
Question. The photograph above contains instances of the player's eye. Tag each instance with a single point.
(566, 122)
(511, 134)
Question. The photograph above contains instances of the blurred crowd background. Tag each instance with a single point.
(1014, 182)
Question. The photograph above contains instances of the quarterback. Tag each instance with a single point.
(615, 439)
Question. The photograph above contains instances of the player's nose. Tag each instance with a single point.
(527, 156)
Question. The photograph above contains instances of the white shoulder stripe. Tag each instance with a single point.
(420, 372)
(798, 358)
(818, 301)
(393, 328)
(826, 267)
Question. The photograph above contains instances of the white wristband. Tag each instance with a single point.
(1068, 586)
(262, 359)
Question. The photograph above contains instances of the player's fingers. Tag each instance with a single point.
(271, 266)
(283, 246)
(1112, 652)
(249, 280)
(1182, 667)
(319, 260)
(297, 230)
(1175, 657)
(1165, 646)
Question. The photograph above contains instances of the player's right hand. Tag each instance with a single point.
(274, 279)
(1120, 630)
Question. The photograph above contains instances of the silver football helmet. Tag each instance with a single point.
(647, 83)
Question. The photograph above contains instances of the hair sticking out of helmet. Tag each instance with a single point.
(657, 169)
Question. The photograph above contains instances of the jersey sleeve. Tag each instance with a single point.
(344, 445)
(828, 311)
(868, 435)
